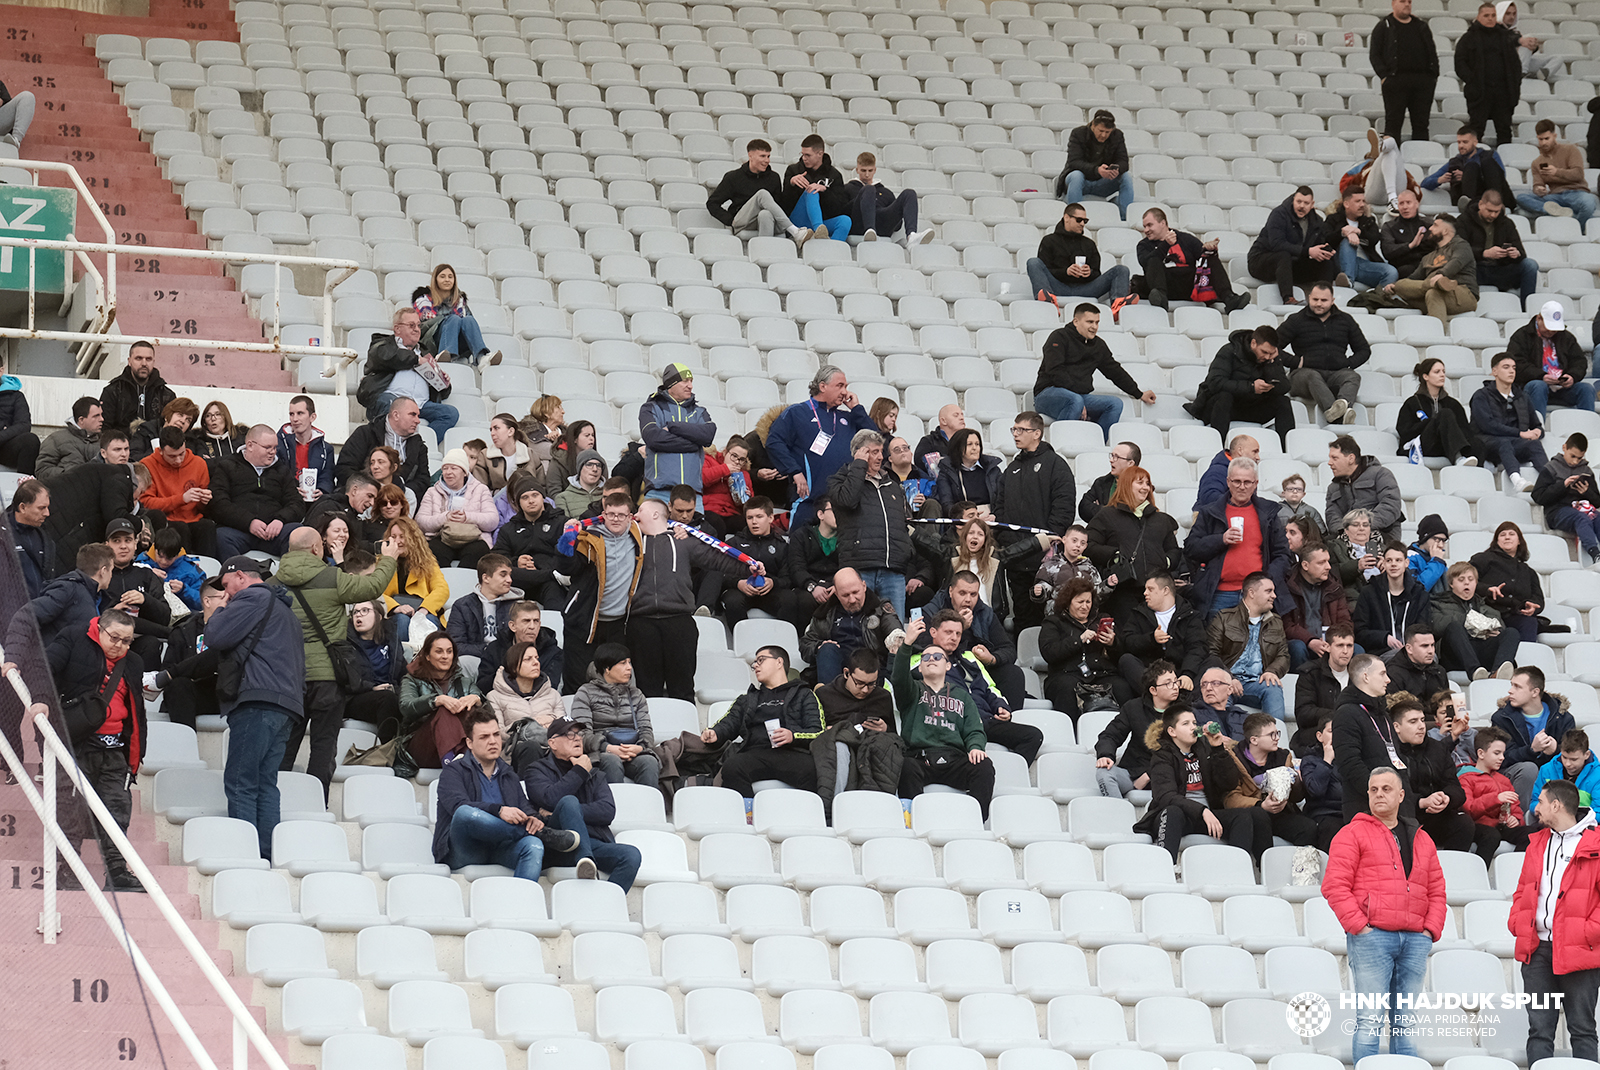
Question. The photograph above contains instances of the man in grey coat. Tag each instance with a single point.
(1360, 482)
(76, 443)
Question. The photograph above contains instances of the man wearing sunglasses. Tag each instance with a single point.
(777, 719)
(942, 727)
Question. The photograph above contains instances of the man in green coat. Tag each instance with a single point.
(941, 726)
(325, 590)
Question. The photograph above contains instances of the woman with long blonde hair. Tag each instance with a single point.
(418, 583)
(975, 554)
(447, 320)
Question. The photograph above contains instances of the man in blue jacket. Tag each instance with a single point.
(1576, 763)
(301, 445)
(484, 818)
(260, 633)
(810, 441)
(676, 431)
(1509, 425)
(566, 785)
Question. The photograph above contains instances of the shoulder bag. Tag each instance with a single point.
(230, 670)
(347, 660)
(84, 715)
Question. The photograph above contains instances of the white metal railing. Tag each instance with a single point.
(92, 341)
(247, 1033)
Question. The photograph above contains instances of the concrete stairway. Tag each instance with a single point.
(81, 121)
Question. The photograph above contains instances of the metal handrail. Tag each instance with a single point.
(247, 1033)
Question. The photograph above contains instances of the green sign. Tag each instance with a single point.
(36, 212)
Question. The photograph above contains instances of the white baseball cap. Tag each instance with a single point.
(1552, 316)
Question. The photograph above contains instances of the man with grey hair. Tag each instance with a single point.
(399, 367)
(1385, 885)
(255, 501)
(810, 441)
(869, 505)
(1232, 538)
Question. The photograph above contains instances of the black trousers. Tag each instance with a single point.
(1403, 93)
(1273, 408)
(1178, 284)
(1012, 684)
(541, 587)
(460, 556)
(977, 780)
(780, 602)
(1481, 112)
(199, 536)
(1449, 832)
(183, 702)
(324, 717)
(1290, 269)
(1023, 739)
(381, 708)
(577, 650)
(1294, 826)
(1249, 827)
(20, 453)
(1026, 613)
(1462, 653)
(1327, 829)
(105, 772)
(792, 764)
(1579, 990)
(663, 650)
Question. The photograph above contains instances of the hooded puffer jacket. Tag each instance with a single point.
(1575, 923)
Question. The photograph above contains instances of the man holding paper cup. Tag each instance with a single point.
(777, 719)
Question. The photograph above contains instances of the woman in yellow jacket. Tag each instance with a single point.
(418, 584)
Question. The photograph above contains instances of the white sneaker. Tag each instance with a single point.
(1560, 211)
(921, 237)
(1518, 482)
(801, 235)
(1337, 410)
(15, 141)
(870, 235)
(1468, 462)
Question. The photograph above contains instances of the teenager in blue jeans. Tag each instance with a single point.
(484, 815)
(814, 192)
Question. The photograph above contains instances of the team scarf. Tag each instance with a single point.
(569, 539)
(990, 523)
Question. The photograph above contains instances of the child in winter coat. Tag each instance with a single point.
(181, 571)
(1491, 800)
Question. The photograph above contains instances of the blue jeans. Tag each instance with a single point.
(888, 219)
(1582, 203)
(454, 330)
(1112, 282)
(1079, 184)
(1059, 403)
(830, 661)
(1586, 528)
(1580, 395)
(1366, 272)
(890, 586)
(1268, 696)
(232, 542)
(257, 735)
(618, 860)
(1223, 600)
(808, 213)
(1521, 274)
(1384, 964)
(479, 838)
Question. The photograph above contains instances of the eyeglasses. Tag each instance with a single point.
(1025, 431)
(116, 640)
(860, 684)
(1214, 683)
(1242, 482)
(1078, 218)
(1167, 683)
(1270, 735)
(759, 658)
(933, 655)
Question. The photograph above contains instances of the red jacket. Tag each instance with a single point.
(1575, 930)
(1366, 883)
(1483, 791)
(718, 497)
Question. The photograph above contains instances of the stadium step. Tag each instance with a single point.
(81, 121)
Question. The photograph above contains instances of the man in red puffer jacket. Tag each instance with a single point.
(1384, 884)
(1555, 916)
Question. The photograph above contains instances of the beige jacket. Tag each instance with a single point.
(1567, 160)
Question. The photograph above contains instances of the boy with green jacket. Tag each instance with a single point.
(941, 726)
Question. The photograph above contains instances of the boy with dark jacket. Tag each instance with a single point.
(1566, 488)
(1229, 391)
(878, 211)
(1118, 775)
(777, 719)
(814, 193)
(1508, 423)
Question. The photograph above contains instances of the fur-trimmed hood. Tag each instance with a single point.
(764, 425)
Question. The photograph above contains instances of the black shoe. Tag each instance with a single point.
(560, 841)
(67, 881)
(119, 879)
(1239, 301)
(1158, 298)
(11, 778)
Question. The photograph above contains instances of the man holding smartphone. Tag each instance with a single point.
(1097, 163)
(1567, 490)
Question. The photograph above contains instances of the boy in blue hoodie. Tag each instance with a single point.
(181, 572)
(1576, 763)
